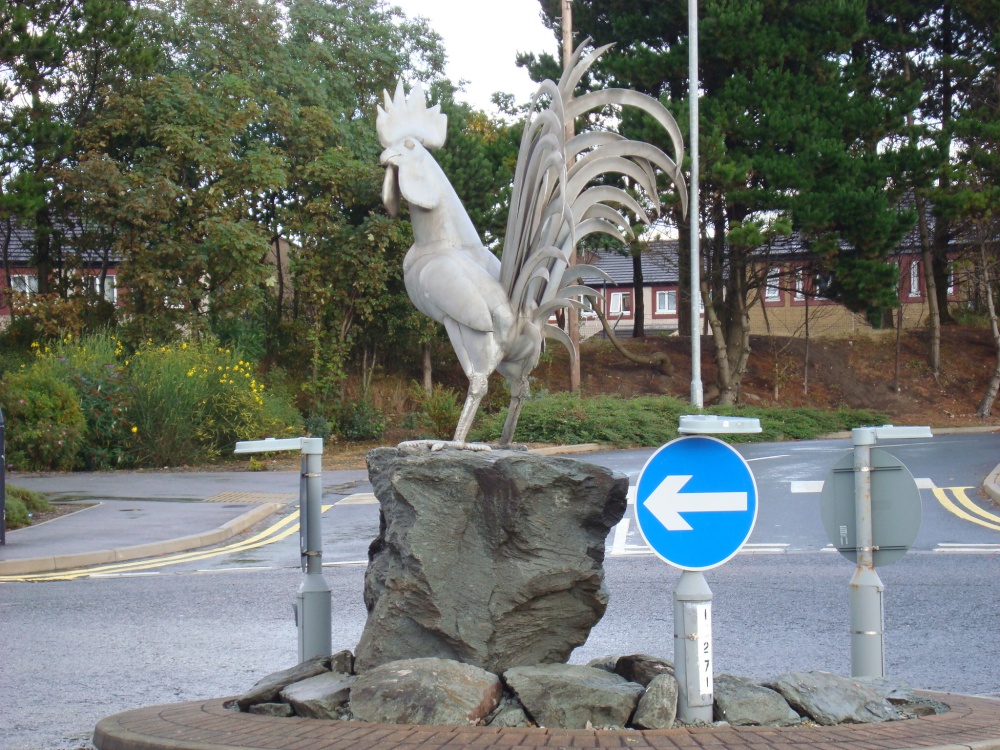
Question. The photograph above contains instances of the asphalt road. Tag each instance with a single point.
(75, 651)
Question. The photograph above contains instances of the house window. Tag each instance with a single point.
(92, 284)
(621, 303)
(772, 292)
(914, 278)
(666, 302)
(800, 284)
(24, 284)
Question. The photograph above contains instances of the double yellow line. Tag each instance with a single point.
(965, 508)
(280, 530)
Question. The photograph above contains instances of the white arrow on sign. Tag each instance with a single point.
(666, 502)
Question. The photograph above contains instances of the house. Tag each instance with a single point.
(787, 298)
(94, 271)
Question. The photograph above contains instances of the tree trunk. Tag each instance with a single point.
(639, 300)
(986, 405)
(683, 277)
(930, 289)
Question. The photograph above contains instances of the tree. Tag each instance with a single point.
(793, 129)
(59, 59)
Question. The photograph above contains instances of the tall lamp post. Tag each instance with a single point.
(697, 391)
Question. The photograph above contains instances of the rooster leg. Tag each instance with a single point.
(477, 354)
(518, 393)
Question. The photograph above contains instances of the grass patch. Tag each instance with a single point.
(20, 503)
(651, 421)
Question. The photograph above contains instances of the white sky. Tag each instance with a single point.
(482, 39)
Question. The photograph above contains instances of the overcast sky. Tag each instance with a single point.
(482, 39)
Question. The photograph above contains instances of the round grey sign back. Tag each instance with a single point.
(896, 508)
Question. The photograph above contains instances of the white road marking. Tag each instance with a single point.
(967, 549)
(807, 487)
(620, 537)
(359, 498)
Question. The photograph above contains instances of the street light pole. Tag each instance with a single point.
(697, 391)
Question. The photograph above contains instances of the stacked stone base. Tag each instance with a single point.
(630, 692)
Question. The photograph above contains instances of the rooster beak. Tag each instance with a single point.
(387, 156)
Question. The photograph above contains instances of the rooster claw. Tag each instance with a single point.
(419, 446)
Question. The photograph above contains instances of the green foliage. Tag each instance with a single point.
(652, 421)
(439, 409)
(21, 503)
(44, 424)
(362, 420)
(193, 402)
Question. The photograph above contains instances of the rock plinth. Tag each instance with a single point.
(488, 558)
(324, 696)
(657, 707)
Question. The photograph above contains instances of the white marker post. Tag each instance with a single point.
(693, 666)
(312, 606)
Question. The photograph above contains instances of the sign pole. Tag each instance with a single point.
(693, 665)
(312, 604)
(697, 389)
(866, 600)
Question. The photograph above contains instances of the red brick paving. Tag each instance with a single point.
(972, 724)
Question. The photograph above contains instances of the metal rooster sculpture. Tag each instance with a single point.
(496, 311)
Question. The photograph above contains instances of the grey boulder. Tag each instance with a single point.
(642, 668)
(324, 696)
(487, 558)
(568, 696)
(266, 690)
(742, 703)
(829, 699)
(657, 707)
(425, 691)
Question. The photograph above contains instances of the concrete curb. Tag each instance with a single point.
(54, 563)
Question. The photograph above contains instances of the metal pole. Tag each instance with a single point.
(693, 666)
(572, 314)
(697, 392)
(866, 605)
(313, 611)
(3, 482)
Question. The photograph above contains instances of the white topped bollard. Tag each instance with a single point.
(312, 606)
(696, 504)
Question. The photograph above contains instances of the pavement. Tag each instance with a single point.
(132, 515)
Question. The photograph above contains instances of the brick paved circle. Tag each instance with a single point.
(973, 723)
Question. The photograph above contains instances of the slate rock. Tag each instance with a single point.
(657, 707)
(488, 558)
(510, 713)
(425, 691)
(642, 668)
(266, 690)
(829, 699)
(607, 663)
(568, 696)
(282, 710)
(742, 703)
(324, 696)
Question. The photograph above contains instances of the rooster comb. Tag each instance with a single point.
(409, 117)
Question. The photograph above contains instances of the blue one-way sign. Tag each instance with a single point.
(696, 502)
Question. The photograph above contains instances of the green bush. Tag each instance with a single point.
(362, 420)
(92, 366)
(21, 503)
(44, 424)
(440, 409)
(194, 401)
(651, 421)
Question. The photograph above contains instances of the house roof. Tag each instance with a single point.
(19, 241)
(659, 265)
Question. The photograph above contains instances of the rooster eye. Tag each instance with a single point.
(409, 144)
